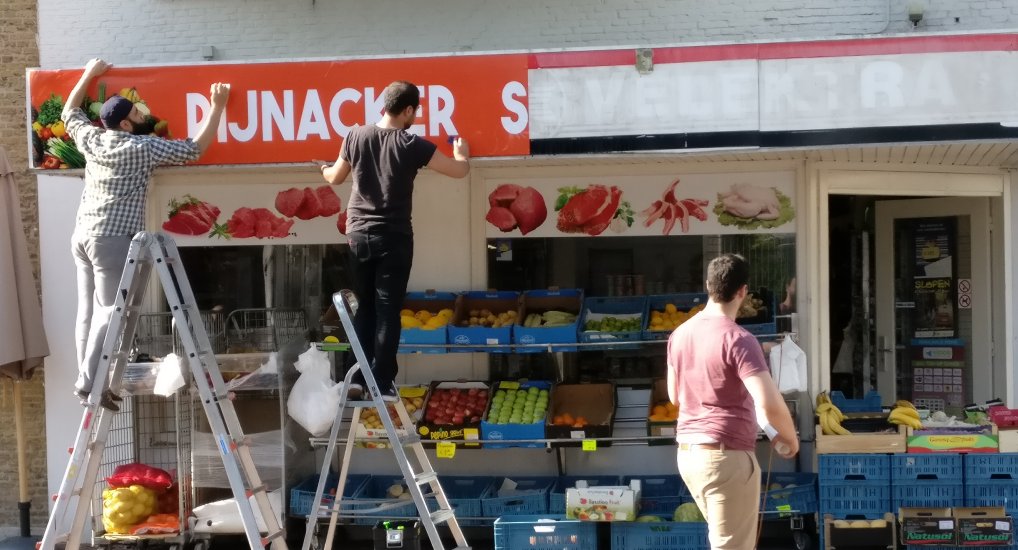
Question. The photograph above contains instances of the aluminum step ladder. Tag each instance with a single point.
(157, 250)
(417, 477)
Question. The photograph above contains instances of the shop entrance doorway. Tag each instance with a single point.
(932, 312)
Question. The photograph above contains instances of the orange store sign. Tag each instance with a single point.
(297, 111)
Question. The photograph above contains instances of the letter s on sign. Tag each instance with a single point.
(510, 93)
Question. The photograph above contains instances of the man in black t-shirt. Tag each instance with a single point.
(384, 159)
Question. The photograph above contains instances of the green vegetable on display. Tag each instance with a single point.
(49, 111)
(614, 324)
(66, 152)
(688, 512)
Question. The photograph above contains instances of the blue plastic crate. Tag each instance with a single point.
(990, 466)
(557, 496)
(536, 301)
(628, 306)
(660, 495)
(657, 302)
(465, 494)
(927, 494)
(801, 499)
(926, 467)
(665, 535)
(857, 467)
(544, 532)
(533, 501)
(869, 403)
(495, 301)
(433, 302)
(993, 492)
(373, 493)
(302, 495)
(855, 497)
(491, 431)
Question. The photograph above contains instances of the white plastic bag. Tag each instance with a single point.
(223, 516)
(169, 377)
(314, 399)
(788, 364)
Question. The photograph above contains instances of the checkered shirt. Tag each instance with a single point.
(117, 171)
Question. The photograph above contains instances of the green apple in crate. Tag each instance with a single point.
(524, 406)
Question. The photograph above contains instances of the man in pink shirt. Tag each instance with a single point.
(718, 378)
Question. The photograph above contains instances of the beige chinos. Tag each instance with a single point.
(726, 487)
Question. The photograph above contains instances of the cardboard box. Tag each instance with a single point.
(433, 302)
(861, 443)
(983, 527)
(884, 536)
(471, 431)
(406, 392)
(918, 442)
(595, 402)
(603, 503)
(540, 301)
(659, 393)
(491, 431)
(1007, 441)
(927, 526)
(495, 302)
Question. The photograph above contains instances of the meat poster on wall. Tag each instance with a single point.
(629, 206)
(220, 215)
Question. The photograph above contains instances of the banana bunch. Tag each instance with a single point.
(830, 416)
(904, 413)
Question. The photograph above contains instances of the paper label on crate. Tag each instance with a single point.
(577, 434)
(491, 341)
(509, 385)
(413, 391)
(445, 449)
(472, 434)
(508, 486)
(946, 524)
(785, 508)
(589, 445)
(1003, 526)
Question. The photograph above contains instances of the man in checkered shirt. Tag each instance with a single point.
(119, 162)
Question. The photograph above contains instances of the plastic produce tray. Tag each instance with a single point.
(668, 535)
(544, 532)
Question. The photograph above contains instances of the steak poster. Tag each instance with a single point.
(629, 206)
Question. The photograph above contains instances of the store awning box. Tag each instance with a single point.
(988, 526)
(927, 526)
(603, 503)
(594, 401)
(433, 302)
(568, 300)
(942, 441)
(495, 301)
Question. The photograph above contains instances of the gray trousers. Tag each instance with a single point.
(100, 264)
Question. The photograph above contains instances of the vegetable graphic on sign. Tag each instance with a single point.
(672, 209)
(513, 206)
(749, 206)
(590, 210)
(190, 216)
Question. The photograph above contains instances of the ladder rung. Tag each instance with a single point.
(410, 440)
(426, 477)
(272, 536)
(256, 490)
(442, 516)
(362, 404)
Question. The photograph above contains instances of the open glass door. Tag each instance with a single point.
(934, 342)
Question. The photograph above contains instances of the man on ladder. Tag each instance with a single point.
(384, 159)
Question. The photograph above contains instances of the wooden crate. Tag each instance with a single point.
(861, 442)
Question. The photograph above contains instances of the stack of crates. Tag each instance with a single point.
(992, 480)
(544, 532)
(854, 486)
(927, 481)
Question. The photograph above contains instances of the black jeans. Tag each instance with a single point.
(380, 267)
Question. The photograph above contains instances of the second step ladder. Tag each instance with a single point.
(421, 479)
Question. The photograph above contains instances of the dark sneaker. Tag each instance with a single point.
(389, 393)
(109, 401)
(355, 392)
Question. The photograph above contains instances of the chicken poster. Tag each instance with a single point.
(217, 215)
(629, 206)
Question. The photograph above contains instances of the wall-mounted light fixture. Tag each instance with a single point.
(644, 60)
(915, 13)
(208, 52)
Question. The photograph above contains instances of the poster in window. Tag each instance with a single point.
(933, 279)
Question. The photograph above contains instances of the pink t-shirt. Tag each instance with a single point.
(710, 355)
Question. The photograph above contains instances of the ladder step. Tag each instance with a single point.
(442, 516)
(362, 404)
(272, 536)
(426, 477)
(255, 490)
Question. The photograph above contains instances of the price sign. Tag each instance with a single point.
(589, 444)
(445, 449)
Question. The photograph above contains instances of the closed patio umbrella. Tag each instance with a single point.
(22, 339)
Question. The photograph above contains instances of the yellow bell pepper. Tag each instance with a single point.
(58, 129)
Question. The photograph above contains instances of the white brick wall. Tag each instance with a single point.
(168, 31)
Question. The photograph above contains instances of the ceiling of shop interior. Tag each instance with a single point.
(1002, 154)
